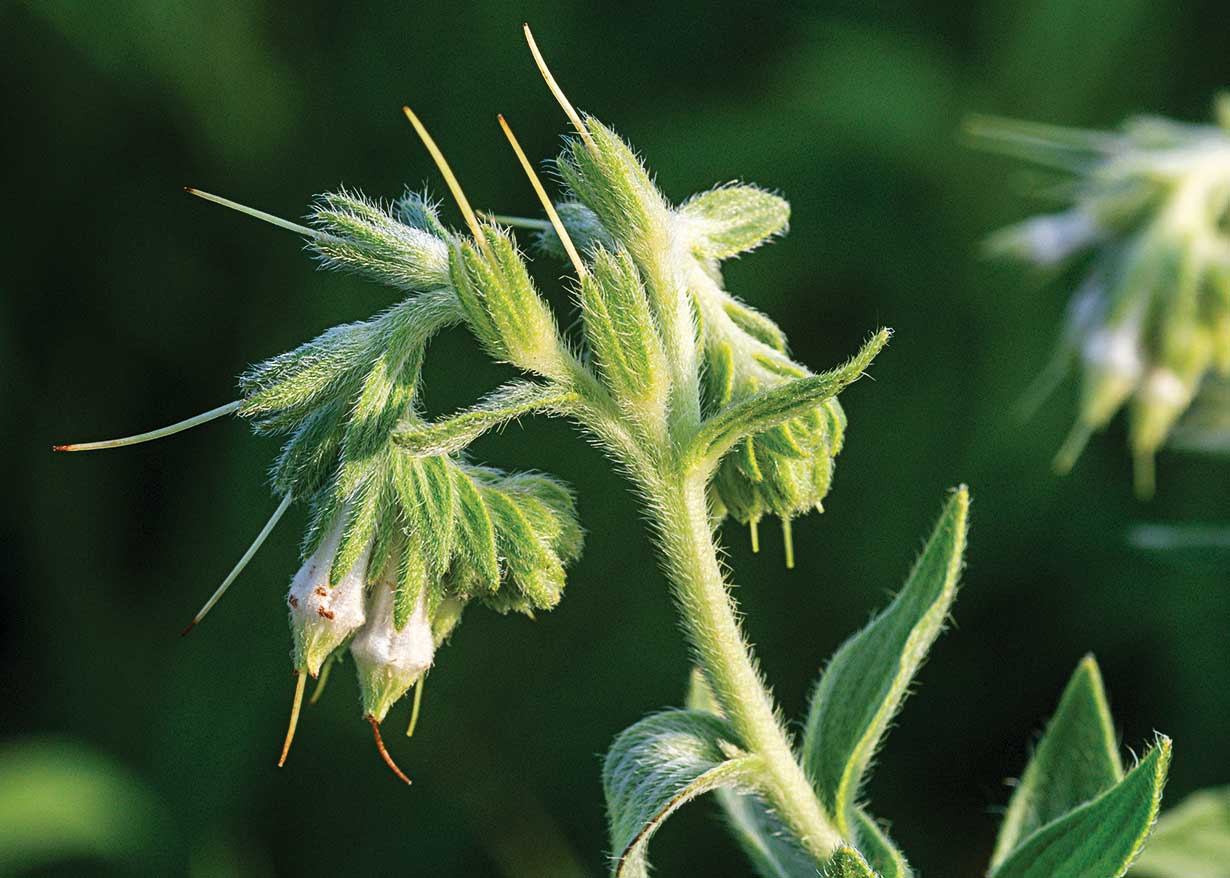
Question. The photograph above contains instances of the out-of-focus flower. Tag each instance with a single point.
(1147, 222)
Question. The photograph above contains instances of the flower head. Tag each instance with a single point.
(1147, 222)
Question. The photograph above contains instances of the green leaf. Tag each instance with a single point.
(779, 404)
(507, 403)
(881, 853)
(1191, 840)
(411, 580)
(868, 677)
(734, 219)
(765, 839)
(657, 765)
(1100, 838)
(1076, 761)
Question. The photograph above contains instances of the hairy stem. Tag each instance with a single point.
(710, 619)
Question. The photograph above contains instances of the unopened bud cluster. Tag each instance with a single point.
(1147, 225)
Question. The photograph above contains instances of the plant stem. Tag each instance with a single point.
(709, 616)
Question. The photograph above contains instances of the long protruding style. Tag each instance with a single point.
(418, 703)
(242, 563)
(195, 421)
(294, 716)
(569, 110)
(384, 754)
(450, 178)
(257, 214)
(556, 223)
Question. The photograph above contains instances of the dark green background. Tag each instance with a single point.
(127, 304)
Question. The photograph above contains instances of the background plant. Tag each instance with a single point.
(892, 217)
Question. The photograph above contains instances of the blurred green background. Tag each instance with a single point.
(126, 305)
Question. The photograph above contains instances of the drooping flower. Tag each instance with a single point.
(1147, 223)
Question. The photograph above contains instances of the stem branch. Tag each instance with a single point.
(709, 617)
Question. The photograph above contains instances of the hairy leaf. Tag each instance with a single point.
(657, 765)
(1076, 760)
(867, 679)
(779, 404)
(1191, 840)
(512, 401)
(1100, 838)
(768, 843)
(734, 219)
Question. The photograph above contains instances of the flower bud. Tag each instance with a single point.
(322, 617)
(390, 661)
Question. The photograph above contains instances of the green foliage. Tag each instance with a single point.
(1100, 838)
(1076, 760)
(1191, 840)
(867, 679)
(655, 767)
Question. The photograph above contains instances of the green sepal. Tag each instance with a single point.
(362, 237)
(1076, 760)
(362, 519)
(1099, 839)
(411, 580)
(507, 403)
(734, 219)
(475, 531)
(779, 404)
(620, 328)
(427, 492)
(755, 324)
(281, 391)
(532, 565)
(869, 676)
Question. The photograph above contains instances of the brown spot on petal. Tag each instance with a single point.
(327, 614)
(293, 601)
(322, 591)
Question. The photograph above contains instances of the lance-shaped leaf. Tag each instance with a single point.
(868, 677)
(507, 403)
(1100, 838)
(1076, 761)
(779, 404)
(657, 765)
(733, 219)
(1191, 840)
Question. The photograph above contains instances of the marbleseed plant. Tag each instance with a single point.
(694, 396)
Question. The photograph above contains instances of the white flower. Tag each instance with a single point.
(390, 661)
(322, 617)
